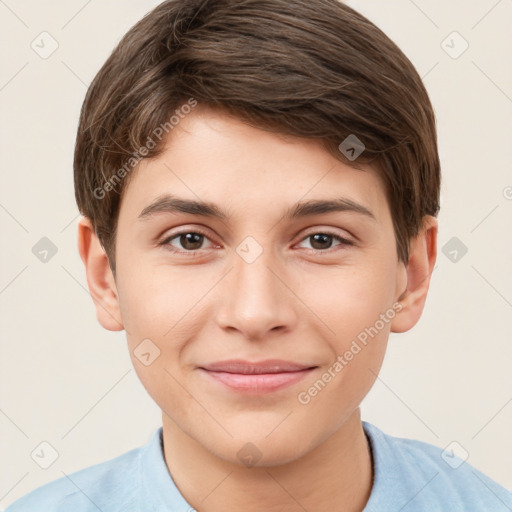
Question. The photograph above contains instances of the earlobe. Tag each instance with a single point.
(422, 258)
(100, 279)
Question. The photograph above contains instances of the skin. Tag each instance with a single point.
(300, 300)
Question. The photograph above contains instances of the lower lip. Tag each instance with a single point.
(258, 383)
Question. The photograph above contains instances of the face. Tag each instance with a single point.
(258, 274)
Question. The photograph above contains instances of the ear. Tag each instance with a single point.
(422, 258)
(100, 279)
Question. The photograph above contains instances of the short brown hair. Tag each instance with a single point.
(315, 69)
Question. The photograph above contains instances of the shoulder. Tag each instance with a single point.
(108, 485)
(420, 476)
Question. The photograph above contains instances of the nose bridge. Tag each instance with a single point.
(253, 299)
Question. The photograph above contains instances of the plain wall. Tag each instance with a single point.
(67, 381)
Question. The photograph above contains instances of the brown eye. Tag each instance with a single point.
(186, 241)
(191, 241)
(323, 241)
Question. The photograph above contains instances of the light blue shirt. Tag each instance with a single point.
(410, 476)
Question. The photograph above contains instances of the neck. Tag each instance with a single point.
(335, 475)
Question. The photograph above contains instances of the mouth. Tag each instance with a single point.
(256, 377)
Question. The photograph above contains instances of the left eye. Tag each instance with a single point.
(323, 240)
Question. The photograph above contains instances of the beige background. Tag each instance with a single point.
(67, 381)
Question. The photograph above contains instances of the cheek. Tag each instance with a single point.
(157, 299)
(348, 299)
(355, 312)
(357, 351)
(157, 307)
(162, 308)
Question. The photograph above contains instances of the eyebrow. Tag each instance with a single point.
(170, 204)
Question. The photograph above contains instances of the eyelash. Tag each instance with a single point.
(165, 242)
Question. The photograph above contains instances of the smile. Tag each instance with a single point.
(256, 378)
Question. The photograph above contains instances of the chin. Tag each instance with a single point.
(260, 451)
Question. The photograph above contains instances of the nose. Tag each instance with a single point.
(257, 298)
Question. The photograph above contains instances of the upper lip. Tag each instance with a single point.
(257, 367)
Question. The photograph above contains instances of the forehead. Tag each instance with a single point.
(212, 156)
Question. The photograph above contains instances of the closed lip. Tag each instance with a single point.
(243, 367)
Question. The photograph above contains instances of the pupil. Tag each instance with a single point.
(322, 238)
(191, 238)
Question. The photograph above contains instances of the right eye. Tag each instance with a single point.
(190, 241)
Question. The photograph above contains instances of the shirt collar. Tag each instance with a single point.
(160, 492)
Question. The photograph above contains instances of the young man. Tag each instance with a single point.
(259, 181)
